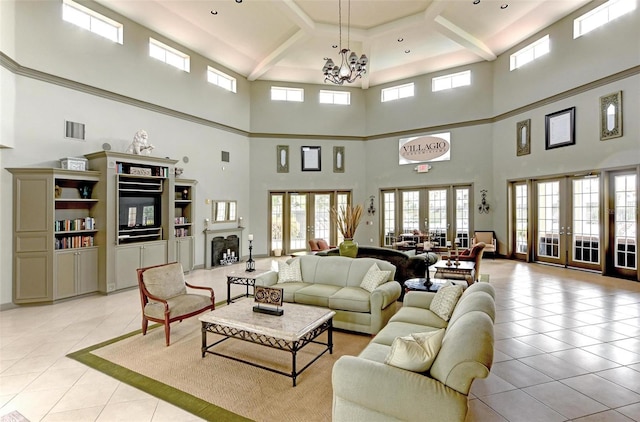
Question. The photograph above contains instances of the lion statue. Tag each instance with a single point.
(140, 144)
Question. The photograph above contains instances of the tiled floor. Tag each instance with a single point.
(567, 348)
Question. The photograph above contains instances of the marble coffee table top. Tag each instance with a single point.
(297, 320)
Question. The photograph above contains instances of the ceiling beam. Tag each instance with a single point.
(276, 55)
(462, 37)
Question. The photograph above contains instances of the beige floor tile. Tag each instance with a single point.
(34, 405)
(491, 385)
(125, 393)
(611, 352)
(13, 384)
(602, 390)
(519, 374)
(517, 406)
(632, 411)
(89, 414)
(515, 348)
(623, 376)
(584, 359)
(137, 410)
(166, 412)
(480, 412)
(573, 338)
(81, 397)
(552, 366)
(565, 400)
(57, 378)
(544, 343)
(608, 416)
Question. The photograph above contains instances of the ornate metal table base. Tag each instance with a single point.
(242, 278)
(265, 340)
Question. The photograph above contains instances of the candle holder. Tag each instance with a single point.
(251, 264)
(229, 260)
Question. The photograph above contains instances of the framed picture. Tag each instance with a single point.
(338, 159)
(310, 158)
(560, 128)
(523, 137)
(611, 116)
(282, 158)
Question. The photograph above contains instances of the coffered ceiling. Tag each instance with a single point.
(288, 40)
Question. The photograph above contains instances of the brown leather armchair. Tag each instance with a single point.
(164, 297)
(316, 245)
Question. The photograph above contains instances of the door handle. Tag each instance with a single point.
(561, 230)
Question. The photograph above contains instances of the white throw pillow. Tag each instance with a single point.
(288, 273)
(374, 277)
(415, 352)
(444, 302)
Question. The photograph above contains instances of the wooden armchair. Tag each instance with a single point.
(164, 297)
(488, 238)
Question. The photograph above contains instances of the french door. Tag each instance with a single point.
(297, 217)
(588, 222)
(568, 215)
(442, 212)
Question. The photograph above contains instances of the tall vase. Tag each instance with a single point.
(349, 248)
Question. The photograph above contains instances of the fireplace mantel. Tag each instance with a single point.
(210, 234)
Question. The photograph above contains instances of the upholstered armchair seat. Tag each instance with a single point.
(164, 296)
(488, 238)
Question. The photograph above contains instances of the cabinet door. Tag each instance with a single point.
(65, 274)
(185, 247)
(154, 254)
(87, 275)
(128, 260)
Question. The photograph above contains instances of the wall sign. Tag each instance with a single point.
(420, 149)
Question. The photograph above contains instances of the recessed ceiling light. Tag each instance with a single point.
(214, 12)
(407, 51)
(334, 46)
(400, 39)
(504, 6)
(476, 1)
(238, 1)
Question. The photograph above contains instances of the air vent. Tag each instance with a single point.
(225, 156)
(74, 130)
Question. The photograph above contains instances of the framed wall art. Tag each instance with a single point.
(282, 158)
(523, 137)
(310, 158)
(611, 116)
(560, 128)
(338, 159)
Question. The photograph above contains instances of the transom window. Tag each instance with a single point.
(169, 55)
(453, 80)
(601, 15)
(397, 92)
(92, 21)
(221, 79)
(279, 93)
(529, 53)
(335, 97)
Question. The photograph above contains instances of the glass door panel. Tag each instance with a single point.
(277, 218)
(389, 218)
(623, 254)
(462, 218)
(585, 228)
(437, 219)
(521, 208)
(321, 211)
(298, 222)
(410, 211)
(548, 227)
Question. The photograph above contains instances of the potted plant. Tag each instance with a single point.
(347, 219)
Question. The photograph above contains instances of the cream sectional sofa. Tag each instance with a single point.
(334, 282)
(367, 389)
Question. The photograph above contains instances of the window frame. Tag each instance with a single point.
(212, 71)
(514, 63)
(69, 5)
(450, 78)
(288, 94)
(186, 59)
(385, 93)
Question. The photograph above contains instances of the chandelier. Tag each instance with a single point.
(351, 68)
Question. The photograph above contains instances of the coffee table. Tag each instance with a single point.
(464, 270)
(299, 326)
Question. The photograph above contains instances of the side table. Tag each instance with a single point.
(419, 285)
(244, 278)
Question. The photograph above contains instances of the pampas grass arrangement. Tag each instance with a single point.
(347, 218)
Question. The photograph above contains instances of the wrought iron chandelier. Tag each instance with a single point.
(351, 68)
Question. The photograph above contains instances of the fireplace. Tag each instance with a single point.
(223, 248)
(209, 235)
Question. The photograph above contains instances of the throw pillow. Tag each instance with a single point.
(288, 273)
(415, 352)
(445, 301)
(373, 278)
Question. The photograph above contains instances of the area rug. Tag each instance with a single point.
(220, 389)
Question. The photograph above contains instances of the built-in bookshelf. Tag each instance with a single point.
(55, 234)
(139, 210)
(183, 221)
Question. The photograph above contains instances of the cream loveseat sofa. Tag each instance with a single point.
(367, 389)
(334, 282)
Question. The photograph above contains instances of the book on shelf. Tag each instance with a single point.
(125, 168)
(87, 223)
(181, 220)
(181, 232)
(70, 242)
